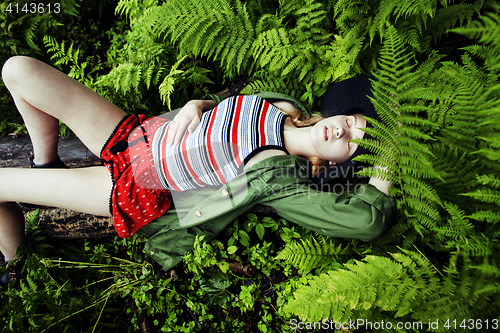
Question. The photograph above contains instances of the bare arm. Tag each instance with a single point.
(284, 106)
(381, 185)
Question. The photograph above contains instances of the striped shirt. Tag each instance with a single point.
(226, 138)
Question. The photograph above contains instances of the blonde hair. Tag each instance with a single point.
(299, 119)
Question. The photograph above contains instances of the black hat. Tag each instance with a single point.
(348, 97)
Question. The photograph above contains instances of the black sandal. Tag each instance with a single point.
(55, 164)
(13, 273)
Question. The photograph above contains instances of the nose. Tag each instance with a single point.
(339, 132)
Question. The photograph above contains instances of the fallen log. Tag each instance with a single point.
(15, 152)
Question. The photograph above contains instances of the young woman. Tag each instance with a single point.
(226, 162)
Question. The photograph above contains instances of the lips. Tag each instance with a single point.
(327, 134)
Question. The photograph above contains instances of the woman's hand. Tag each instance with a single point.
(381, 185)
(189, 116)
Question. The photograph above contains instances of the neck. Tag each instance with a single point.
(297, 140)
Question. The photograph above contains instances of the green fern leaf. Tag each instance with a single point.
(487, 30)
(367, 286)
(308, 255)
(220, 30)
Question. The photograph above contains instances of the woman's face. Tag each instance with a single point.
(330, 137)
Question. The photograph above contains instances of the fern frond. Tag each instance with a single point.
(424, 8)
(290, 7)
(489, 216)
(466, 289)
(394, 234)
(351, 15)
(338, 58)
(421, 212)
(490, 118)
(222, 30)
(30, 32)
(266, 82)
(469, 97)
(278, 38)
(133, 8)
(80, 70)
(448, 16)
(490, 57)
(404, 137)
(486, 30)
(311, 15)
(410, 239)
(488, 269)
(391, 11)
(478, 245)
(486, 195)
(386, 9)
(411, 33)
(457, 225)
(167, 86)
(426, 68)
(490, 180)
(308, 255)
(376, 284)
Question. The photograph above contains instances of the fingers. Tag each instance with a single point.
(194, 123)
(178, 126)
(188, 117)
(175, 131)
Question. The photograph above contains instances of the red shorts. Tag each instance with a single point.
(136, 197)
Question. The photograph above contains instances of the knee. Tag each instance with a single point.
(15, 68)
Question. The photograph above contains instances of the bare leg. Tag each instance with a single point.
(43, 96)
(86, 190)
(11, 229)
(43, 130)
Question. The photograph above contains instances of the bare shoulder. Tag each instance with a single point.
(262, 156)
(284, 106)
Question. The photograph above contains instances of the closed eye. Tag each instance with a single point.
(347, 124)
